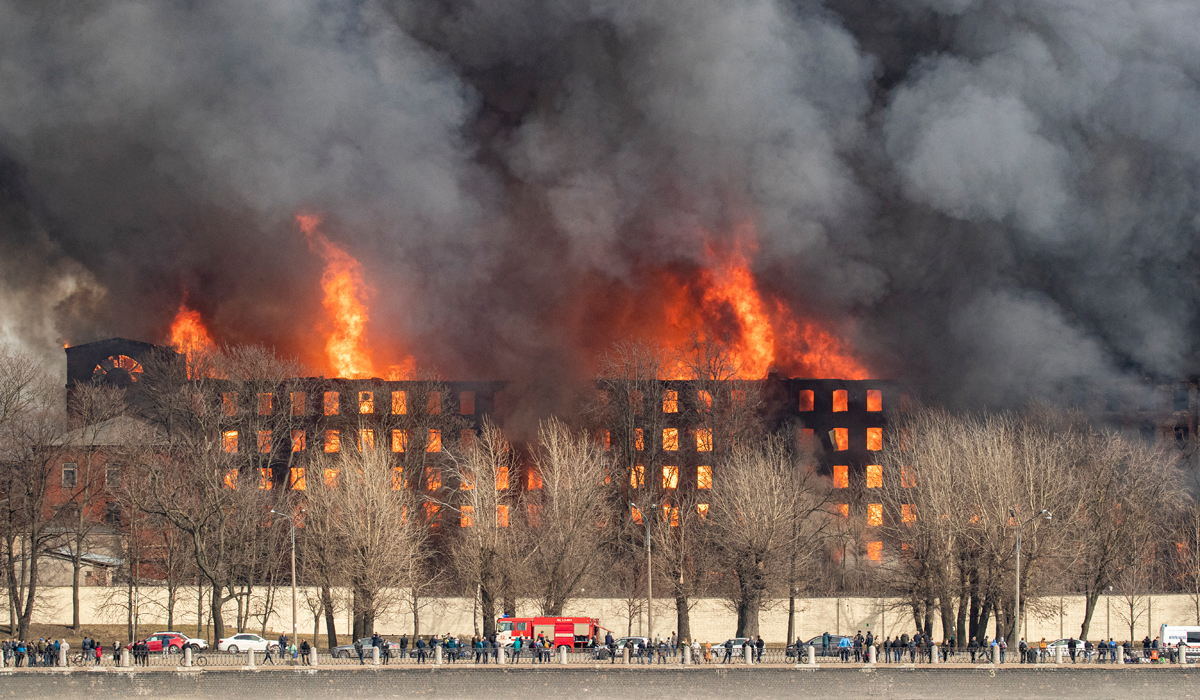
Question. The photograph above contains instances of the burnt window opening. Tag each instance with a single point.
(1181, 398)
(112, 514)
(466, 403)
(298, 403)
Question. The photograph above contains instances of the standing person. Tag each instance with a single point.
(517, 650)
(825, 644)
(1003, 646)
(612, 647)
(116, 647)
(358, 649)
(404, 646)
(305, 650)
(385, 651)
(268, 660)
(728, 651)
(707, 652)
(1071, 648)
(759, 648)
(887, 649)
(844, 648)
(663, 650)
(420, 649)
(283, 643)
(99, 651)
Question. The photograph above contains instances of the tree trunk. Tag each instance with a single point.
(487, 604)
(218, 619)
(961, 623)
(77, 566)
(946, 605)
(748, 604)
(30, 596)
(1089, 608)
(928, 617)
(510, 606)
(683, 618)
(330, 622)
(171, 593)
(791, 618)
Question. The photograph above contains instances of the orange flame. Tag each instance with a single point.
(190, 337)
(722, 298)
(769, 335)
(345, 290)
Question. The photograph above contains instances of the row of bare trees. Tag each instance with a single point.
(597, 504)
(1097, 509)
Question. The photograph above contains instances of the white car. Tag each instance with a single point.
(244, 641)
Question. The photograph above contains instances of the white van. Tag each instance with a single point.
(1170, 635)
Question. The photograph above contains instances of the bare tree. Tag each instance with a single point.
(229, 445)
(32, 425)
(561, 517)
(1129, 491)
(485, 544)
(763, 500)
(376, 524)
(94, 411)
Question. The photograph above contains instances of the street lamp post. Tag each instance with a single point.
(649, 577)
(291, 522)
(1017, 609)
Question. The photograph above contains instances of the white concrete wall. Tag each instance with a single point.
(711, 619)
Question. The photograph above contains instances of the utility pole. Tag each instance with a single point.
(649, 576)
(291, 522)
(1013, 515)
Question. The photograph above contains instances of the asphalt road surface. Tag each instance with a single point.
(496, 684)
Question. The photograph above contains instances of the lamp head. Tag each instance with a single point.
(273, 511)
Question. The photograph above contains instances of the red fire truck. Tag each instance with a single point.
(571, 632)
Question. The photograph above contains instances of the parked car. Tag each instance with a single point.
(738, 644)
(196, 643)
(155, 642)
(245, 641)
(602, 652)
(834, 640)
(346, 651)
(1066, 647)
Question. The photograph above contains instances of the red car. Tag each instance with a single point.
(155, 642)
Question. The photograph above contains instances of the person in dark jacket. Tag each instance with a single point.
(728, 651)
(825, 644)
(420, 650)
(305, 653)
(758, 647)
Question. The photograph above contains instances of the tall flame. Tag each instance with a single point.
(760, 332)
(190, 337)
(345, 293)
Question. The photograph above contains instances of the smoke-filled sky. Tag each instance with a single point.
(987, 198)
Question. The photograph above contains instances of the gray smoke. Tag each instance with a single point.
(989, 198)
